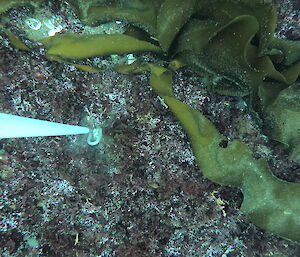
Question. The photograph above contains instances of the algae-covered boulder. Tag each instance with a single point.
(233, 41)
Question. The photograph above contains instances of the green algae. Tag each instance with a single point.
(284, 47)
(8, 4)
(79, 46)
(269, 202)
(233, 39)
(284, 113)
(16, 42)
(170, 21)
(139, 13)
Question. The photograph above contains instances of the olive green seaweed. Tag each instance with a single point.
(232, 41)
(284, 114)
(169, 21)
(16, 42)
(7, 4)
(79, 46)
(284, 47)
(268, 202)
(137, 12)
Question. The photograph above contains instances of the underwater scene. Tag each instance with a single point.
(149, 128)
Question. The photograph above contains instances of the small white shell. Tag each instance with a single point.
(94, 136)
(33, 23)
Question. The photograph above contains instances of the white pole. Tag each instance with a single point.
(12, 126)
